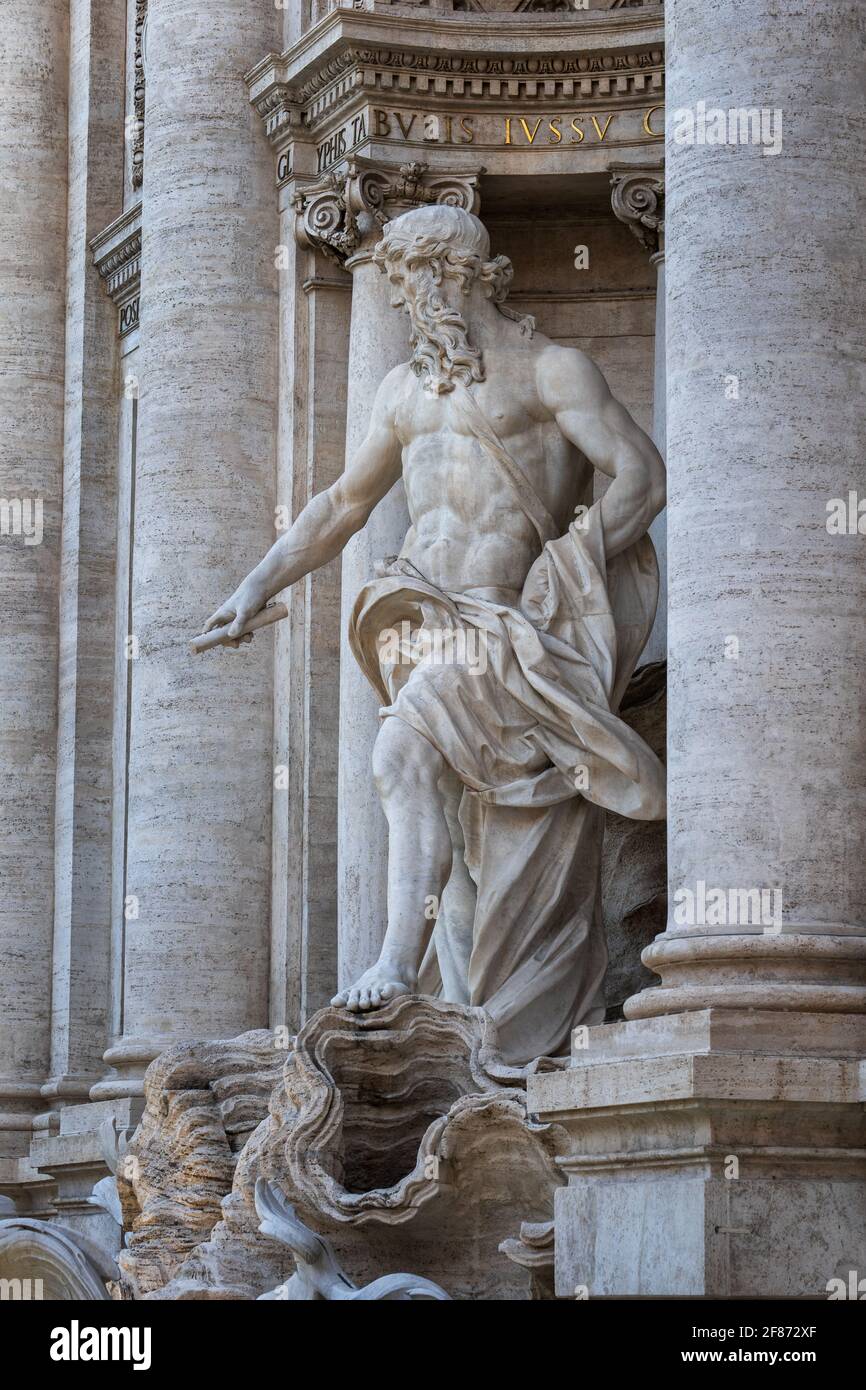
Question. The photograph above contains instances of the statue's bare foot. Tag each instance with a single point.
(377, 986)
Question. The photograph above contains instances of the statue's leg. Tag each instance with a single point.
(407, 769)
(453, 934)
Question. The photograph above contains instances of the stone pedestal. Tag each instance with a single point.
(713, 1154)
(400, 1135)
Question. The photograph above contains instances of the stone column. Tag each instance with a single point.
(766, 747)
(731, 1102)
(34, 57)
(343, 215)
(637, 199)
(82, 892)
(200, 755)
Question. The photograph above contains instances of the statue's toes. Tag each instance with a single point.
(339, 1001)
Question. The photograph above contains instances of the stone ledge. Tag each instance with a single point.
(759, 1031)
(737, 1077)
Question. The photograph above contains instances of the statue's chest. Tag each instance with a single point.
(423, 413)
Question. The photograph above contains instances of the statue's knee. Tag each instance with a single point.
(403, 760)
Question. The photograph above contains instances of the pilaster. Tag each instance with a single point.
(342, 215)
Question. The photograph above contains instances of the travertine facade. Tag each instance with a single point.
(192, 848)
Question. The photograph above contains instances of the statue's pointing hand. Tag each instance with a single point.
(243, 605)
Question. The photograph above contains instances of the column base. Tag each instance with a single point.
(20, 1102)
(718, 1154)
(798, 970)
(129, 1059)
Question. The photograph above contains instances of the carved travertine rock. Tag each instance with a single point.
(401, 1136)
(533, 1249)
(202, 1102)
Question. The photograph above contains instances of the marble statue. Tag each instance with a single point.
(500, 640)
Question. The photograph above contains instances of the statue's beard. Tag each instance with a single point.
(441, 351)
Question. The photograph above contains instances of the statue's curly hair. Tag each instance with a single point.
(445, 240)
(432, 244)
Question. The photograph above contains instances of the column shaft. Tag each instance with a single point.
(33, 172)
(315, 297)
(766, 307)
(200, 762)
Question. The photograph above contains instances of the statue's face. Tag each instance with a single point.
(397, 284)
(411, 288)
(432, 284)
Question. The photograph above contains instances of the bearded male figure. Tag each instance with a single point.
(493, 774)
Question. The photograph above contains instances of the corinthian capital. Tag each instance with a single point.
(341, 212)
(638, 200)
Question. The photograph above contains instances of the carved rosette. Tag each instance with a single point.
(341, 212)
(138, 95)
(638, 200)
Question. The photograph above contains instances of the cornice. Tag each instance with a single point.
(520, 34)
(117, 256)
(524, 57)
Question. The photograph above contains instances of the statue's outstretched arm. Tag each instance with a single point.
(574, 390)
(328, 521)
